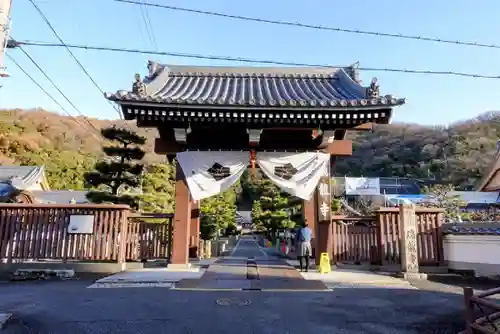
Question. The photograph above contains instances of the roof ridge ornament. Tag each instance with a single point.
(154, 68)
(139, 87)
(374, 89)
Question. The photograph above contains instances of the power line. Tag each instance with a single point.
(149, 26)
(252, 61)
(57, 88)
(313, 26)
(48, 94)
(72, 55)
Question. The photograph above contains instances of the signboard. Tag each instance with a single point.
(81, 224)
(324, 197)
(362, 186)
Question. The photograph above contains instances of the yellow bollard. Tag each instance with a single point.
(324, 264)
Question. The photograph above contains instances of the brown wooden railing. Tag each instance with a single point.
(488, 321)
(39, 231)
(354, 239)
(149, 237)
(376, 239)
(429, 238)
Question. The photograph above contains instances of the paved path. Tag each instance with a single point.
(69, 307)
(250, 268)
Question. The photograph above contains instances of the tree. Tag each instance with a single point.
(440, 196)
(218, 213)
(118, 171)
(158, 189)
(272, 208)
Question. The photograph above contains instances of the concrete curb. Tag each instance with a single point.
(4, 319)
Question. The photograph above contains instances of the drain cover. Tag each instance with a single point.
(236, 302)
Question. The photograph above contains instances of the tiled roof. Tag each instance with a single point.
(60, 196)
(22, 176)
(254, 87)
(472, 228)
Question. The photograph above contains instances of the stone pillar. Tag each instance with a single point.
(194, 229)
(324, 205)
(182, 221)
(409, 251)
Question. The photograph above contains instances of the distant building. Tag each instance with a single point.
(491, 180)
(28, 184)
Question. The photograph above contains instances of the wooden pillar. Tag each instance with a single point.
(324, 203)
(182, 220)
(194, 240)
(409, 251)
(324, 214)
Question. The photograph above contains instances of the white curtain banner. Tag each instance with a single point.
(296, 173)
(362, 186)
(209, 173)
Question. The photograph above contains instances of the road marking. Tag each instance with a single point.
(235, 247)
(296, 290)
(205, 289)
(260, 248)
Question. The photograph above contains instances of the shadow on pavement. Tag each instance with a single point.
(70, 308)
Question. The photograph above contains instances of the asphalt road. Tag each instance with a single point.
(69, 307)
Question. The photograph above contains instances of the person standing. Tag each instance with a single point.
(304, 247)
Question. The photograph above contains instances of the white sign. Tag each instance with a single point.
(324, 209)
(323, 189)
(81, 224)
(362, 186)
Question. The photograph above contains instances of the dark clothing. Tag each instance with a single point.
(301, 262)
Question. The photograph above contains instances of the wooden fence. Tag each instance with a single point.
(149, 237)
(489, 312)
(39, 231)
(376, 239)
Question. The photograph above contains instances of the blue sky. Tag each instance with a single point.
(431, 99)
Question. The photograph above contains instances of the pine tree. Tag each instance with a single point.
(218, 213)
(273, 209)
(118, 170)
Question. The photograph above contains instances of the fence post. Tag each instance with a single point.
(123, 214)
(380, 238)
(440, 239)
(408, 243)
(469, 310)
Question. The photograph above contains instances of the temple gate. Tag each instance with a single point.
(220, 120)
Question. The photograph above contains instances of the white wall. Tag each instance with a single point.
(480, 253)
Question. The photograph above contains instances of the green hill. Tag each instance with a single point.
(459, 153)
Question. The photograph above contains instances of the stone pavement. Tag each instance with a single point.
(250, 268)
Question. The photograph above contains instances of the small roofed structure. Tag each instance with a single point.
(491, 180)
(29, 185)
(25, 177)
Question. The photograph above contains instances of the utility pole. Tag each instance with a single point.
(5, 6)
